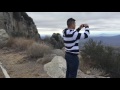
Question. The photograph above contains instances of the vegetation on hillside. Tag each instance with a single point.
(103, 57)
(33, 48)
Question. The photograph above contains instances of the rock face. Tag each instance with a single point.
(46, 59)
(18, 24)
(56, 68)
(3, 37)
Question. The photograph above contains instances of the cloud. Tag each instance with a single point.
(97, 20)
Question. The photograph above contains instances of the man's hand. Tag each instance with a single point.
(86, 26)
(81, 26)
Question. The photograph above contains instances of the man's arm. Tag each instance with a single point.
(78, 29)
(78, 36)
(85, 34)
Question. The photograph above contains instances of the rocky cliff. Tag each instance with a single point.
(18, 24)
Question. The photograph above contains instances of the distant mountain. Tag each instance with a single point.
(107, 40)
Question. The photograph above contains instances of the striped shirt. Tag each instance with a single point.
(71, 39)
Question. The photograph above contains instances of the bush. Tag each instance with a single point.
(57, 41)
(37, 50)
(103, 57)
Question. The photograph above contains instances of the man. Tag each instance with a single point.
(71, 41)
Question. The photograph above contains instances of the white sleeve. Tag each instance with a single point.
(85, 34)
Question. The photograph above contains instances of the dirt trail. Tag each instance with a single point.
(18, 66)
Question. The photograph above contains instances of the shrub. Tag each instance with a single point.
(103, 57)
(57, 41)
(37, 50)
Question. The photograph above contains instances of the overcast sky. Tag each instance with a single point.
(101, 23)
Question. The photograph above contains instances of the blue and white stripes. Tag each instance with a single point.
(71, 39)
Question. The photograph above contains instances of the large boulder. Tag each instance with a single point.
(3, 37)
(56, 68)
(59, 52)
(46, 59)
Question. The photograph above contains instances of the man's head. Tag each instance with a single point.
(71, 23)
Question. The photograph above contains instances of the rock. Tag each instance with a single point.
(39, 60)
(59, 52)
(4, 37)
(79, 56)
(88, 72)
(56, 68)
(83, 75)
(101, 77)
(18, 24)
(46, 59)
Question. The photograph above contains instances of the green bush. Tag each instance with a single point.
(57, 41)
(103, 57)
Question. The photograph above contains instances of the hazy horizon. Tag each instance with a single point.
(49, 32)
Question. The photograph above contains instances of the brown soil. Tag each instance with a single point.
(19, 66)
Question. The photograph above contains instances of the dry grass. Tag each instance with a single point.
(10, 42)
(34, 49)
(20, 43)
(37, 50)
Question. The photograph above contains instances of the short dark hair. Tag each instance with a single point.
(70, 21)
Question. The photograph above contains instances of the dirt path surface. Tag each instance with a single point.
(18, 66)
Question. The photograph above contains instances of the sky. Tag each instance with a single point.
(100, 23)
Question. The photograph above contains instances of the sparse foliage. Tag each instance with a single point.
(57, 41)
(37, 50)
